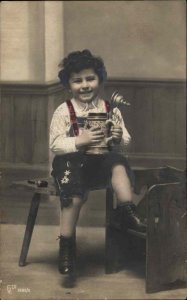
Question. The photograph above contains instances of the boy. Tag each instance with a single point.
(75, 172)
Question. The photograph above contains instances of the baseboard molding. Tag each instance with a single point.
(24, 166)
(135, 159)
(157, 160)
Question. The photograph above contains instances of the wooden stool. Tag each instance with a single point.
(35, 202)
(164, 208)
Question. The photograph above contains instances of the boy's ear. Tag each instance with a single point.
(68, 88)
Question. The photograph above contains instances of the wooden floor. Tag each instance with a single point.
(40, 280)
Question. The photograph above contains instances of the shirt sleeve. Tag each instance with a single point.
(126, 138)
(59, 141)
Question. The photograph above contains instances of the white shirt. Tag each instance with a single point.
(60, 141)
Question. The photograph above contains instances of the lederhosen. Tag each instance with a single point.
(74, 173)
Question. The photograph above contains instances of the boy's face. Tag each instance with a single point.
(84, 85)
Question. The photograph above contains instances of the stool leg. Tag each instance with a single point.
(116, 242)
(29, 228)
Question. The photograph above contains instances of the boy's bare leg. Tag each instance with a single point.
(67, 245)
(126, 209)
(69, 216)
(121, 184)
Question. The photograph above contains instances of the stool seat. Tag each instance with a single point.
(49, 190)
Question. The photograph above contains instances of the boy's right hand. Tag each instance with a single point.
(88, 137)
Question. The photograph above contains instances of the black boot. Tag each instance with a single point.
(67, 255)
(128, 218)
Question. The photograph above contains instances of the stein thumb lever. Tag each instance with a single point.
(109, 121)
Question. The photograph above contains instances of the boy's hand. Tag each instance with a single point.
(89, 137)
(116, 132)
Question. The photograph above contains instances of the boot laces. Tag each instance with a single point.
(131, 209)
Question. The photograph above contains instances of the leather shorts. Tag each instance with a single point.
(76, 173)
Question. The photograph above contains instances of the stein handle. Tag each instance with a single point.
(109, 122)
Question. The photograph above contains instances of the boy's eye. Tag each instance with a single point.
(79, 80)
(90, 78)
(76, 80)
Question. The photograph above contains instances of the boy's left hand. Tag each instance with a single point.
(116, 132)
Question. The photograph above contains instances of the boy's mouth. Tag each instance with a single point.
(85, 92)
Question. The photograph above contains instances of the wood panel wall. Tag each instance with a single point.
(156, 120)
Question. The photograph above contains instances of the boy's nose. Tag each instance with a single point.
(85, 84)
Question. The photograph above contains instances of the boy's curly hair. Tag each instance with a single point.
(77, 61)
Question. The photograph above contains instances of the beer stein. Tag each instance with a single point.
(99, 120)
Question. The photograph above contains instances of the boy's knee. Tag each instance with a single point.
(78, 201)
(120, 173)
(119, 169)
(71, 201)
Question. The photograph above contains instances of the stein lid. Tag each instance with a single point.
(97, 114)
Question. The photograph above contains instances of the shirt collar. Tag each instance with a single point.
(86, 106)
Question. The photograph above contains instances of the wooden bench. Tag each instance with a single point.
(165, 244)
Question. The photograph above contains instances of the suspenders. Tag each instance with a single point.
(73, 117)
(107, 106)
